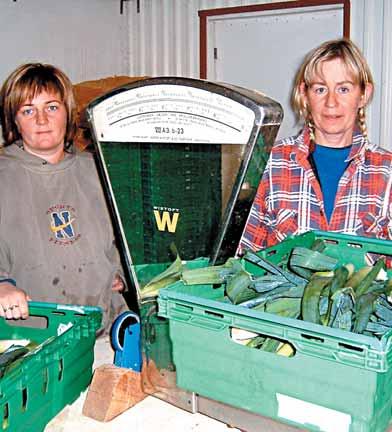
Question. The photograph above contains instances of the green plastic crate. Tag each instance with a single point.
(336, 381)
(56, 372)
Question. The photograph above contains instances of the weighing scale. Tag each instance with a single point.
(180, 160)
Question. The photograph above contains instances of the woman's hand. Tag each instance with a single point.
(118, 284)
(13, 302)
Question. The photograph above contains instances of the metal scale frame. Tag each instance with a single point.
(180, 160)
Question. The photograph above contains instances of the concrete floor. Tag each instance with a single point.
(149, 415)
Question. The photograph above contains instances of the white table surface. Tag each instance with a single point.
(151, 414)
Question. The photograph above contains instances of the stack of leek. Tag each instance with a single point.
(12, 350)
(312, 287)
(170, 275)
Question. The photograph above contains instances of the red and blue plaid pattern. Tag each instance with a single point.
(289, 199)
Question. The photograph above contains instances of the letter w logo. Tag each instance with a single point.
(62, 225)
(165, 221)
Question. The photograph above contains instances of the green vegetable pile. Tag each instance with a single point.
(12, 351)
(312, 287)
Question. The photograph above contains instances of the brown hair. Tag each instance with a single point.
(23, 84)
(343, 49)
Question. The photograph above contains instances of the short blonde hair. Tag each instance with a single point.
(343, 49)
(23, 84)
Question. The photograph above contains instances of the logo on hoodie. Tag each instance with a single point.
(62, 227)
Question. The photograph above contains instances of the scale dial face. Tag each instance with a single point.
(172, 113)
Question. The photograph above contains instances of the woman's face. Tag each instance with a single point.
(333, 99)
(42, 123)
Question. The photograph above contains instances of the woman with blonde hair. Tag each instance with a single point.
(330, 177)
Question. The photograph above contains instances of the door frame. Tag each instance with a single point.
(205, 14)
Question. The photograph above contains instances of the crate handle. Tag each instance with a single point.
(312, 337)
(304, 342)
(214, 314)
(281, 347)
(351, 347)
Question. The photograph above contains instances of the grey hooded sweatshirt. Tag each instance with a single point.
(56, 237)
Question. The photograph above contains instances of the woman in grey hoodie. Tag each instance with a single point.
(56, 237)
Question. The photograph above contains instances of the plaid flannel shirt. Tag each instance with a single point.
(289, 199)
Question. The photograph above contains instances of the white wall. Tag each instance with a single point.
(164, 35)
(88, 39)
(368, 32)
(164, 40)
